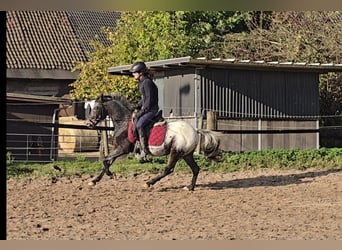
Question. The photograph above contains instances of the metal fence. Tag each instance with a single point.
(47, 148)
(25, 147)
(70, 142)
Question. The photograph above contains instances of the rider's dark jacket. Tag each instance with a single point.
(149, 94)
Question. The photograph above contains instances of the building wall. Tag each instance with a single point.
(247, 100)
(178, 92)
(259, 94)
(41, 87)
(239, 142)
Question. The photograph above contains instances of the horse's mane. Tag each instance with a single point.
(119, 98)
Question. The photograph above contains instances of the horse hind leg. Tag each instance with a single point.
(173, 158)
(189, 159)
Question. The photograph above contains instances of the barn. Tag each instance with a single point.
(29, 135)
(257, 105)
(42, 48)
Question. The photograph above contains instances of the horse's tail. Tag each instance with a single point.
(209, 143)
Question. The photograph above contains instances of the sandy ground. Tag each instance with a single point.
(263, 204)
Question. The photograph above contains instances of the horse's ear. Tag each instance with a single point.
(101, 97)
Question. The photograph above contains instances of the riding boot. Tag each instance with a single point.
(143, 145)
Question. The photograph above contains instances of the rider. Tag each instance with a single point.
(149, 103)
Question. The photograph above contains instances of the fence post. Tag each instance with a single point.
(211, 120)
(54, 135)
(105, 140)
(200, 125)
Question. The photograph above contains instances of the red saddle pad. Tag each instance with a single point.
(157, 135)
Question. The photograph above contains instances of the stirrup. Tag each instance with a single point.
(143, 156)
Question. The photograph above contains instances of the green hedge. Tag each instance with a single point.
(277, 159)
(323, 158)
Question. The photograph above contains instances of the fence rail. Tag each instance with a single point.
(24, 147)
(47, 148)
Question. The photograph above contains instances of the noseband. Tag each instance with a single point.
(92, 122)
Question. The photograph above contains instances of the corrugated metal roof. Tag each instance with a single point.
(52, 39)
(232, 63)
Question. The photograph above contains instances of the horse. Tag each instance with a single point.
(179, 142)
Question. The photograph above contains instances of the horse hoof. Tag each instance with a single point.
(92, 183)
(188, 188)
(147, 185)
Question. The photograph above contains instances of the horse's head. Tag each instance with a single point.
(98, 112)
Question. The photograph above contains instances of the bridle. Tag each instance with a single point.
(92, 122)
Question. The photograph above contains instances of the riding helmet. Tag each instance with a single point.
(138, 67)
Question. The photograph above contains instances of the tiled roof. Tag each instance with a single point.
(53, 39)
(87, 25)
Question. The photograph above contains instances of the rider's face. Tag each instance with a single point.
(136, 75)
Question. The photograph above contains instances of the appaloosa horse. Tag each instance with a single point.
(179, 138)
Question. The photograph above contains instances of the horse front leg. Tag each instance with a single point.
(105, 169)
(173, 158)
(107, 162)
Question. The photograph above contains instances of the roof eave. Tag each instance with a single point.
(188, 62)
(37, 98)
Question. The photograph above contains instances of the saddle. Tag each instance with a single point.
(155, 130)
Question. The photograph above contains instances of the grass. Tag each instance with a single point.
(324, 158)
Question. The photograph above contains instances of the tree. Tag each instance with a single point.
(309, 36)
(94, 79)
(147, 36)
(139, 35)
(211, 28)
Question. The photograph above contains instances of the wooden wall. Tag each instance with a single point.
(239, 142)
